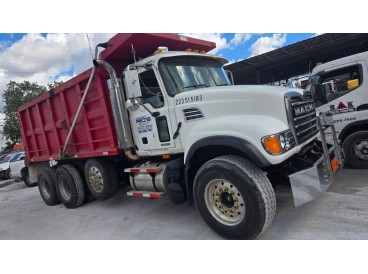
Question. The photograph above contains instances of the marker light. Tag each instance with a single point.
(272, 144)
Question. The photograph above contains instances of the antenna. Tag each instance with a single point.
(133, 53)
(90, 49)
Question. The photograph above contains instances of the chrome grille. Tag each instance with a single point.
(191, 114)
(302, 118)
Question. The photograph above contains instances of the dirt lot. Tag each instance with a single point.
(342, 213)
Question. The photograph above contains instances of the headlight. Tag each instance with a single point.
(278, 143)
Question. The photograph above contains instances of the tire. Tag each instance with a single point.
(356, 150)
(7, 174)
(25, 178)
(46, 181)
(234, 197)
(88, 195)
(69, 186)
(101, 178)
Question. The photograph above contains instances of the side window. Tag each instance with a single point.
(334, 84)
(151, 92)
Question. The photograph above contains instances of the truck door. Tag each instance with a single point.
(152, 133)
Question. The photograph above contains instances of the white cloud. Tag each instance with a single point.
(266, 44)
(221, 42)
(240, 38)
(43, 59)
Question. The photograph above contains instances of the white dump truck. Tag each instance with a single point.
(159, 110)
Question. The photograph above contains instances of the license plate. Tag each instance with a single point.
(334, 165)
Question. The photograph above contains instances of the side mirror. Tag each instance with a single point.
(131, 81)
(132, 104)
(230, 75)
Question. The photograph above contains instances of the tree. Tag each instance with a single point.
(15, 95)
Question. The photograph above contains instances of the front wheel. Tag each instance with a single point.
(7, 174)
(356, 150)
(234, 197)
(27, 182)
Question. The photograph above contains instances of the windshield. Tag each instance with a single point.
(16, 157)
(185, 73)
(7, 158)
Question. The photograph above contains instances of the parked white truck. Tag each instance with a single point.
(340, 87)
(176, 125)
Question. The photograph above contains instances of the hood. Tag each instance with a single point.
(256, 100)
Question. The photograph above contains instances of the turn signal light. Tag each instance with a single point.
(272, 144)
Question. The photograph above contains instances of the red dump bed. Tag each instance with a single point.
(45, 121)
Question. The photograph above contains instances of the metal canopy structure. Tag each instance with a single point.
(297, 59)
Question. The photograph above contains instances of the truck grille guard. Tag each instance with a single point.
(312, 182)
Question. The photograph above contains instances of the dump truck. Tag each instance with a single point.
(160, 113)
(340, 88)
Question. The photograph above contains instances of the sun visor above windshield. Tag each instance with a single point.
(145, 44)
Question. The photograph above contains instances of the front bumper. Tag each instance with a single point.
(310, 183)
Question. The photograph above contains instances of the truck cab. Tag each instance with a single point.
(340, 88)
(192, 96)
(160, 83)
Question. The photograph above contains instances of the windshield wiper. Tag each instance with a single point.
(225, 84)
(197, 86)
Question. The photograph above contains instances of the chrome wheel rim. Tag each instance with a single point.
(360, 149)
(225, 202)
(95, 179)
(64, 189)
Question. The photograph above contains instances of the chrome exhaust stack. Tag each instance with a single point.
(120, 112)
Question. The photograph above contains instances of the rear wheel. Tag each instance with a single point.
(234, 197)
(69, 186)
(356, 150)
(46, 179)
(101, 178)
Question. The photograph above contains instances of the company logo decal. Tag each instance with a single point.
(342, 108)
(303, 109)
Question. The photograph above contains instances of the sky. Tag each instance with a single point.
(48, 57)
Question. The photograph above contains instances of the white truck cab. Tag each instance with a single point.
(192, 95)
(340, 87)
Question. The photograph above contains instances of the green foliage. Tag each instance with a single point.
(16, 95)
